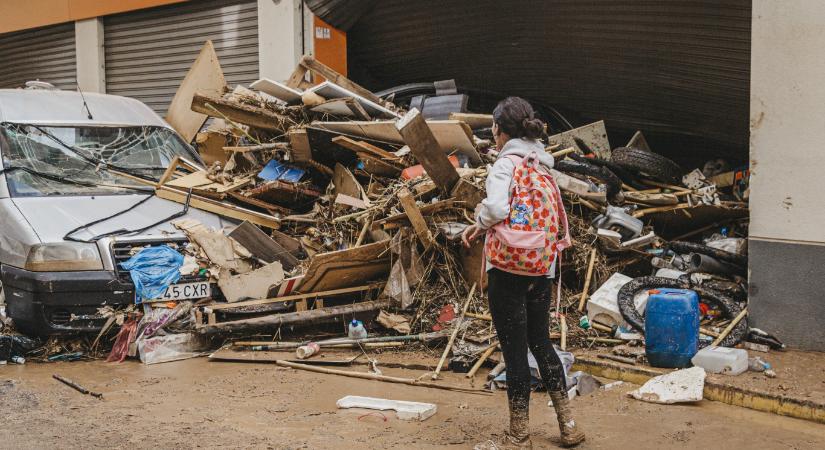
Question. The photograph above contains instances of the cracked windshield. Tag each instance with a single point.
(44, 160)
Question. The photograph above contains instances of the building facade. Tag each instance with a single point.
(143, 48)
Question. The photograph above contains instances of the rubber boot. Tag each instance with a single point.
(517, 437)
(571, 433)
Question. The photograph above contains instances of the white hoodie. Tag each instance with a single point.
(496, 207)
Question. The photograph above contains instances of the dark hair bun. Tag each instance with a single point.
(516, 117)
(533, 128)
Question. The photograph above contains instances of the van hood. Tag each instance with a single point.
(52, 217)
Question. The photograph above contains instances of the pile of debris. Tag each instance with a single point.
(350, 204)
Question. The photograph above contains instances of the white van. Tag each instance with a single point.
(67, 217)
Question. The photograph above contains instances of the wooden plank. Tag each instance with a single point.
(297, 78)
(244, 114)
(365, 147)
(299, 141)
(416, 219)
(417, 135)
(318, 68)
(205, 76)
(262, 246)
(289, 298)
(475, 121)
(312, 316)
(219, 208)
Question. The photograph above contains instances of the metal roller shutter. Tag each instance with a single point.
(677, 69)
(45, 54)
(149, 52)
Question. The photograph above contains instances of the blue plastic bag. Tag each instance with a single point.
(153, 269)
(275, 170)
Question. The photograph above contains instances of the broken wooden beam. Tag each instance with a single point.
(312, 316)
(219, 208)
(417, 135)
(416, 219)
(244, 114)
(309, 63)
(365, 147)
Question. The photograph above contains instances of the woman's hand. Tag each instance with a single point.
(470, 234)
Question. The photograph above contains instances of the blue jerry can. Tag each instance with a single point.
(671, 327)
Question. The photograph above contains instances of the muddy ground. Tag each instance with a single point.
(206, 404)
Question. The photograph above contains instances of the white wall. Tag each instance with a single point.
(280, 37)
(91, 73)
(788, 121)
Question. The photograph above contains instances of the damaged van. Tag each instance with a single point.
(72, 206)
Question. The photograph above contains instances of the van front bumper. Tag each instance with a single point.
(48, 303)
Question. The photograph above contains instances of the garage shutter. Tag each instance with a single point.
(45, 54)
(149, 52)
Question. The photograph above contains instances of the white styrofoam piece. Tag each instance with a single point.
(330, 90)
(277, 90)
(686, 385)
(403, 409)
(603, 305)
(729, 361)
(670, 273)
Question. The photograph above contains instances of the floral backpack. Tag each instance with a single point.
(526, 242)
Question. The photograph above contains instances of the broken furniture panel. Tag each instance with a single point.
(345, 268)
(205, 76)
(589, 138)
(278, 90)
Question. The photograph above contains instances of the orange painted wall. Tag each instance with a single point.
(22, 15)
(330, 45)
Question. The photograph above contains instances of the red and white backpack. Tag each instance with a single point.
(527, 242)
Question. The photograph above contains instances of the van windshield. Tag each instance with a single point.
(50, 160)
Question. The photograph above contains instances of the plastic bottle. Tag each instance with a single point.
(757, 364)
(18, 360)
(357, 330)
(305, 351)
(728, 361)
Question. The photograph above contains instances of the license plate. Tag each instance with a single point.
(185, 291)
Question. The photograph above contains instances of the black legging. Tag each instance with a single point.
(520, 306)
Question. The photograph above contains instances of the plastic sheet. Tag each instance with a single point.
(171, 347)
(153, 269)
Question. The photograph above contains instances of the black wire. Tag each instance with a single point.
(123, 231)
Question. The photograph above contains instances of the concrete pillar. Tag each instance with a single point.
(280, 37)
(91, 61)
(787, 237)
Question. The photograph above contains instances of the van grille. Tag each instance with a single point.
(122, 251)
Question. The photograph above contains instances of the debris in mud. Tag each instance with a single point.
(341, 204)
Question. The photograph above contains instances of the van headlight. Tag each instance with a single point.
(64, 257)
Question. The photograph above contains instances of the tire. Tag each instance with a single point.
(647, 163)
(611, 181)
(728, 307)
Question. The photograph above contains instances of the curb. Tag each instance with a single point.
(782, 405)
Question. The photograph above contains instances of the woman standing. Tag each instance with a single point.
(520, 278)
